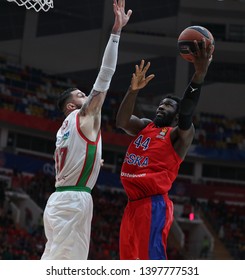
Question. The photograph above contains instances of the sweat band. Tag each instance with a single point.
(108, 65)
(188, 105)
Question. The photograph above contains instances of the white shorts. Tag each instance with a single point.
(67, 224)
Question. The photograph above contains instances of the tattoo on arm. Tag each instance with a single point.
(91, 96)
(94, 93)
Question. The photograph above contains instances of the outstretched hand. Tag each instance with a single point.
(121, 18)
(202, 59)
(139, 79)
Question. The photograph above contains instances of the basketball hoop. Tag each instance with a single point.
(37, 5)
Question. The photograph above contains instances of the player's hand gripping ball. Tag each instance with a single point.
(186, 39)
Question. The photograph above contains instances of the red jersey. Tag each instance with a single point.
(151, 163)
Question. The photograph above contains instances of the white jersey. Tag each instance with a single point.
(77, 159)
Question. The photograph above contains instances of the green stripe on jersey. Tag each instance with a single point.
(89, 161)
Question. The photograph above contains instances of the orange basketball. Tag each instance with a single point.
(187, 37)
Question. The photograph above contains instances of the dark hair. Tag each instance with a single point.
(175, 98)
(64, 96)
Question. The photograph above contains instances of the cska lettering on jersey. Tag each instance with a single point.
(140, 143)
(136, 160)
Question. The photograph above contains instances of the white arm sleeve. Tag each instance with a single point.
(108, 65)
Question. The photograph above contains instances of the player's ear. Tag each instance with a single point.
(70, 106)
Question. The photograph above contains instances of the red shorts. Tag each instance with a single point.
(144, 228)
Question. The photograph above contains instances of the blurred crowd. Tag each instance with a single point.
(28, 242)
(31, 91)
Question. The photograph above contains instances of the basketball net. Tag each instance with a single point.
(37, 5)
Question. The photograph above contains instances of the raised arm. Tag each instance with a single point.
(182, 135)
(125, 118)
(109, 61)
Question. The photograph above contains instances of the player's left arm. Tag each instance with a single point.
(182, 135)
(125, 118)
(97, 95)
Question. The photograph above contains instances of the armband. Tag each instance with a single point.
(188, 105)
(108, 65)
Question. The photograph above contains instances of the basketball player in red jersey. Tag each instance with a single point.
(153, 159)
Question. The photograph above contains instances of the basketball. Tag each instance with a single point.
(187, 37)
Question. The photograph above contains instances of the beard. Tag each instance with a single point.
(166, 120)
(78, 106)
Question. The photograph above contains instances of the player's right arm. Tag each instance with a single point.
(125, 119)
(183, 134)
(97, 95)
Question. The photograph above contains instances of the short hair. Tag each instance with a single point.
(175, 98)
(64, 96)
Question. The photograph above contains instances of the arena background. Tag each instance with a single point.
(43, 53)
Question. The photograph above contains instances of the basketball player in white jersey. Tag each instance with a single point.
(68, 213)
